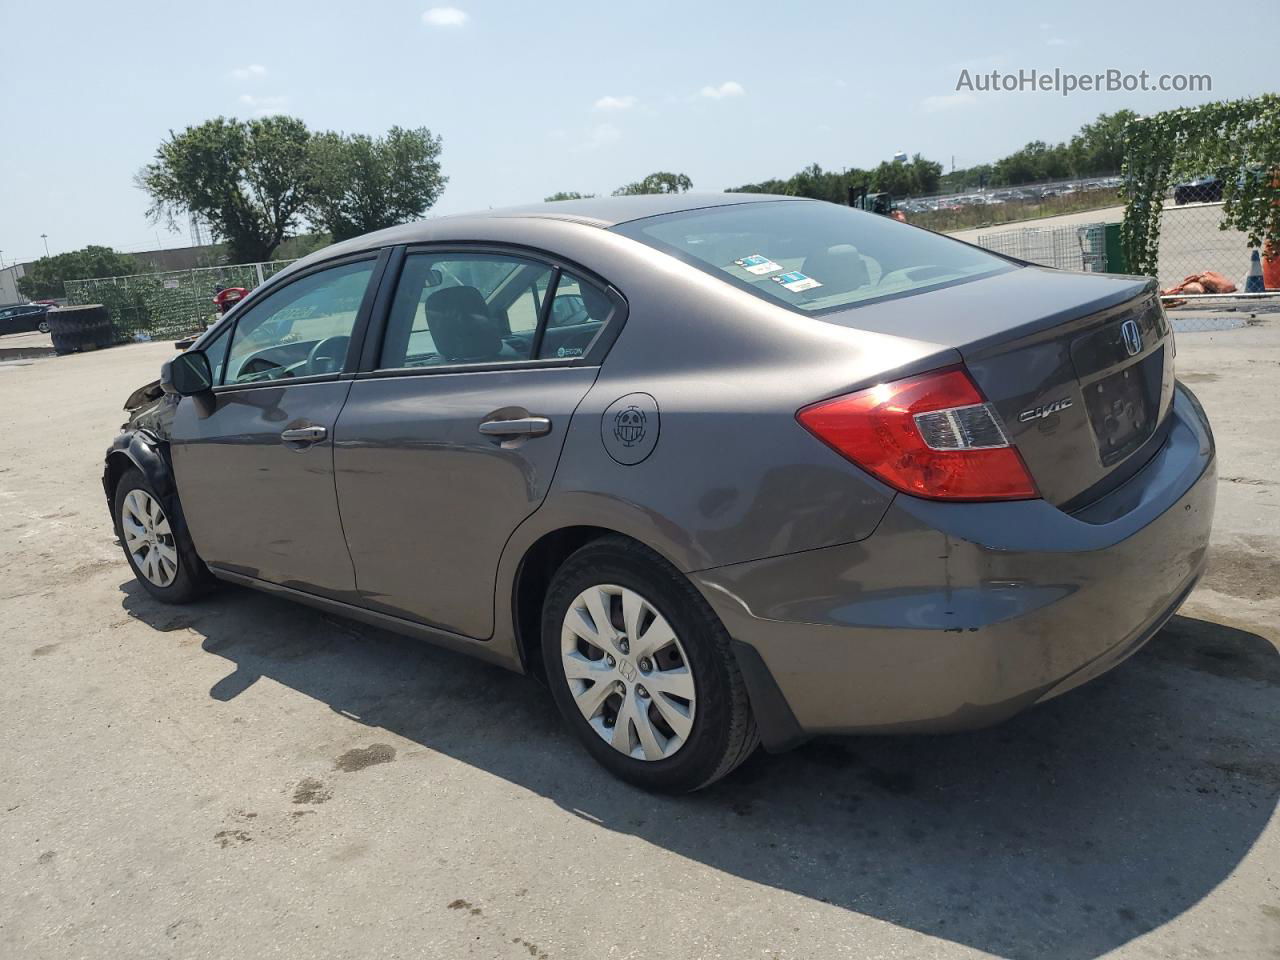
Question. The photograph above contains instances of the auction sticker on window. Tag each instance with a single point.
(796, 282)
(758, 265)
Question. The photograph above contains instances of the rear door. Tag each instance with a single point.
(255, 471)
(451, 437)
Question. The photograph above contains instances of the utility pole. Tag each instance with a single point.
(45, 238)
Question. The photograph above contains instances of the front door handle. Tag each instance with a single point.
(313, 434)
(519, 427)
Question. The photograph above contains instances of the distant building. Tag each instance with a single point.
(179, 258)
(9, 284)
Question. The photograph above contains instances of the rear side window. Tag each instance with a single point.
(455, 308)
(812, 256)
(480, 308)
(578, 314)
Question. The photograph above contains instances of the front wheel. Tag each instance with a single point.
(157, 544)
(43, 326)
(641, 670)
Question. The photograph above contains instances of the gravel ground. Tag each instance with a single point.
(247, 778)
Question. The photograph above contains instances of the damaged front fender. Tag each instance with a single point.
(143, 450)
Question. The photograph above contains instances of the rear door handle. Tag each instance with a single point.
(519, 427)
(313, 434)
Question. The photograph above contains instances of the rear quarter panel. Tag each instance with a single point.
(733, 476)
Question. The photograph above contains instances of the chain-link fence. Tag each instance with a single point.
(171, 304)
(1192, 248)
(1191, 244)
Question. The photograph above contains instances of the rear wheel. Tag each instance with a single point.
(156, 542)
(641, 670)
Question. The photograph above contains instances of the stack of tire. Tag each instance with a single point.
(79, 328)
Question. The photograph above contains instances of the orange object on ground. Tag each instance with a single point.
(1208, 282)
(1271, 267)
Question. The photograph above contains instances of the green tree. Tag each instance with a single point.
(44, 279)
(250, 180)
(567, 195)
(360, 183)
(660, 182)
(918, 177)
(1099, 146)
(812, 182)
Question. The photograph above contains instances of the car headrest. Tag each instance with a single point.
(839, 269)
(597, 304)
(460, 325)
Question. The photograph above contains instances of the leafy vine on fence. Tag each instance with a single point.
(171, 304)
(1238, 141)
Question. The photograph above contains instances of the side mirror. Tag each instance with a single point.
(188, 374)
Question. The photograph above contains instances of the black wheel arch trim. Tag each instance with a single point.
(148, 454)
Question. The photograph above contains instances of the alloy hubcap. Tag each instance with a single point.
(148, 538)
(627, 672)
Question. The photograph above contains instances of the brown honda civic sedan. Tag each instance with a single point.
(723, 468)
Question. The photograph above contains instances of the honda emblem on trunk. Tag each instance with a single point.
(1132, 337)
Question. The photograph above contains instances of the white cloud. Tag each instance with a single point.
(615, 103)
(251, 72)
(265, 106)
(444, 17)
(730, 88)
(1056, 42)
(949, 101)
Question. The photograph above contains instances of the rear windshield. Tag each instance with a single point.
(813, 256)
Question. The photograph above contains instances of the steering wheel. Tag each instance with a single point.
(328, 355)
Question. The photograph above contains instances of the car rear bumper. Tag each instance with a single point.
(953, 616)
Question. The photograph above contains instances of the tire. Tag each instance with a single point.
(722, 733)
(43, 326)
(177, 575)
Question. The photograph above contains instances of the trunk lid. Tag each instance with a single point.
(1083, 398)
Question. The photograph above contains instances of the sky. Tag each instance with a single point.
(532, 98)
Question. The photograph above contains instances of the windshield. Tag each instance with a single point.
(813, 256)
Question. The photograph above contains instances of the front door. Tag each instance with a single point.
(255, 475)
(453, 441)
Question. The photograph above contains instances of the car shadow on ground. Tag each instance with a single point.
(1067, 831)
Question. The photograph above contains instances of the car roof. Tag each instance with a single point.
(602, 212)
(611, 211)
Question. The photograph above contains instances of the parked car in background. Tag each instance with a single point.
(1200, 190)
(724, 468)
(24, 318)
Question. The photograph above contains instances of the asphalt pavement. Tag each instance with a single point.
(248, 778)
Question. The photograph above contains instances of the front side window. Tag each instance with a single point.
(215, 350)
(457, 308)
(301, 330)
(810, 256)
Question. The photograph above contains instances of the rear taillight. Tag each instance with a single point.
(931, 436)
